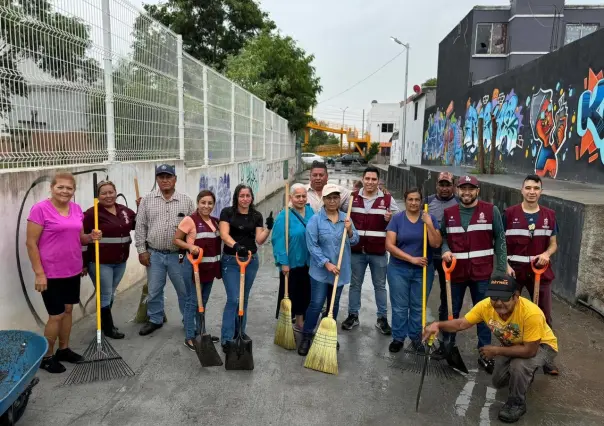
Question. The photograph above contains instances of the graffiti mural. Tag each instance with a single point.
(442, 139)
(249, 173)
(548, 121)
(221, 187)
(590, 118)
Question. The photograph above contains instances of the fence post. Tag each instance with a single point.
(108, 79)
(181, 100)
(481, 168)
(493, 144)
(251, 126)
(206, 153)
(264, 138)
(232, 122)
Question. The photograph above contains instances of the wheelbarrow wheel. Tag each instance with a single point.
(15, 412)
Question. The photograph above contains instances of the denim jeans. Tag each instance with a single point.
(406, 296)
(163, 264)
(191, 302)
(111, 275)
(230, 277)
(320, 293)
(477, 291)
(377, 265)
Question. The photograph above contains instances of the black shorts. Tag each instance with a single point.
(60, 292)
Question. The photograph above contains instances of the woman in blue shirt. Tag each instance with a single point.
(295, 261)
(405, 243)
(323, 239)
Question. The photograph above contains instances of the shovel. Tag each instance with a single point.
(204, 347)
(451, 351)
(239, 351)
(538, 272)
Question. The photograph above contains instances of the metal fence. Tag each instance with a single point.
(90, 81)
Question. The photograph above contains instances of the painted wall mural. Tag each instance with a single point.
(443, 137)
(221, 187)
(590, 117)
(251, 175)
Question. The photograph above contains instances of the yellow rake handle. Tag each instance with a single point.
(425, 278)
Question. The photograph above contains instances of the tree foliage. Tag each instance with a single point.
(374, 149)
(319, 137)
(212, 30)
(276, 70)
(57, 44)
(431, 82)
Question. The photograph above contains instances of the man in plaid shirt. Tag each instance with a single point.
(159, 214)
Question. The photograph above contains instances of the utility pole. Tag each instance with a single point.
(395, 158)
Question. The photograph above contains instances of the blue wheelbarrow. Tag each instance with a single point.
(20, 355)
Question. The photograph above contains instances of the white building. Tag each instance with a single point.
(383, 120)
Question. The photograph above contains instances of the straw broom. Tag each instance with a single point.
(323, 353)
(284, 334)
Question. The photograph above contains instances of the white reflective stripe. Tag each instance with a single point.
(480, 227)
(542, 232)
(210, 259)
(521, 259)
(474, 254)
(522, 232)
(115, 240)
(201, 235)
(84, 248)
(370, 211)
(455, 230)
(371, 234)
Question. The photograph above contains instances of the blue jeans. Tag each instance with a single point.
(111, 275)
(477, 291)
(230, 277)
(162, 264)
(406, 297)
(377, 265)
(319, 293)
(191, 302)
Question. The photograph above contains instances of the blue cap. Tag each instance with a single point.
(165, 168)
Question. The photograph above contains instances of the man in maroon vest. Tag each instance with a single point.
(371, 212)
(530, 235)
(472, 232)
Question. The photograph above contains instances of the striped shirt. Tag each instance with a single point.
(157, 220)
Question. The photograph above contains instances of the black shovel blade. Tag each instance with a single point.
(206, 351)
(454, 358)
(239, 354)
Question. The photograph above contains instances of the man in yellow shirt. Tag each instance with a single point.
(527, 342)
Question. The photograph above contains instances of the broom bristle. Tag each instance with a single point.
(284, 334)
(323, 353)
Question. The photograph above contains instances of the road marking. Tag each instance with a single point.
(462, 403)
(484, 413)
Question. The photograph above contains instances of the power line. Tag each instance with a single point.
(360, 81)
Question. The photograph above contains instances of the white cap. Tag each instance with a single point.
(330, 188)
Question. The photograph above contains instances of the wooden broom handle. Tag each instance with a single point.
(136, 191)
(286, 293)
(342, 245)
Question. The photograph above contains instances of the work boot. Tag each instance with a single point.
(350, 322)
(109, 329)
(383, 326)
(396, 346)
(68, 355)
(149, 328)
(487, 363)
(304, 346)
(52, 365)
(512, 410)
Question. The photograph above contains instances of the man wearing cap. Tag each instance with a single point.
(318, 179)
(437, 203)
(528, 343)
(158, 216)
(472, 233)
(371, 212)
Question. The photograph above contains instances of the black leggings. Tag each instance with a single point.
(299, 290)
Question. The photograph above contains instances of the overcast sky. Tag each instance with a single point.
(351, 39)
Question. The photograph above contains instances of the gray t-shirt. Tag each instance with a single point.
(436, 207)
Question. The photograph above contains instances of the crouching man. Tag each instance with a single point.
(528, 343)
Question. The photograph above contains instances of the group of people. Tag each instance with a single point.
(493, 255)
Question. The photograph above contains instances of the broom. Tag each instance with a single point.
(101, 361)
(284, 333)
(323, 353)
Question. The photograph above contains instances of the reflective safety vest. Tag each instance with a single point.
(370, 224)
(473, 247)
(211, 244)
(522, 247)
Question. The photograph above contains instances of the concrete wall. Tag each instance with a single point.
(414, 132)
(547, 112)
(265, 178)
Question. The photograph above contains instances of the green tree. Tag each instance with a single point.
(212, 30)
(431, 82)
(374, 148)
(276, 70)
(56, 43)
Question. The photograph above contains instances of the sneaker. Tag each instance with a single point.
(149, 328)
(215, 339)
(68, 355)
(512, 410)
(550, 369)
(396, 346)
(51, 365)
(383, 326)
(189, 345)
(304, 346)
(487, 364)
(350, 322)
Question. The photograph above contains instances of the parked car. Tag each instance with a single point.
(310, 157)
(355, 157)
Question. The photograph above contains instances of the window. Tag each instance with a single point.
(416, 109)
(387, 127)
(577, 31)
(491, 39)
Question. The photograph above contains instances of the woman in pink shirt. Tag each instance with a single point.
(55, 236)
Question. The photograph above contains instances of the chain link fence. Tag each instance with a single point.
(90, 81)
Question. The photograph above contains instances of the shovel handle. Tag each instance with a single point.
(448, 270)
(242, 266)
(195, 261)
(538, 272)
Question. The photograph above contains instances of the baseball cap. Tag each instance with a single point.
(468, 180)
(165, 168)
(330, 188)
(446, 176)
(502, 286)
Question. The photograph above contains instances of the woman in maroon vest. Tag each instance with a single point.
(199, 230)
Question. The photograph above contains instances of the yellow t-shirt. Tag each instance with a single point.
(526, 324)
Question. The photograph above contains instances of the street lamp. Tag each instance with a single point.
(342, 134)
(403, 129)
